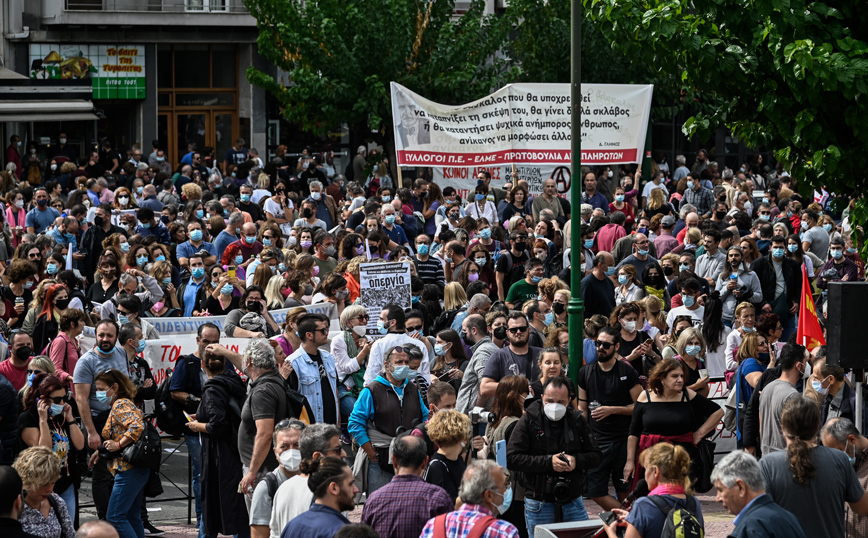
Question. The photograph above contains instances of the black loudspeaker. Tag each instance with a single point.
(846, 334)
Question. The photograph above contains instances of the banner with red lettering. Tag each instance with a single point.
(522, 124)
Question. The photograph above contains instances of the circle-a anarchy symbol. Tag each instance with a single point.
(562, 177)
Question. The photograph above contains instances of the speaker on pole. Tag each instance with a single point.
(846, 332)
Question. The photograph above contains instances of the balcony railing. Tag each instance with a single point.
(152, 6)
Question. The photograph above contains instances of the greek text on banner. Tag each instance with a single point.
(522, 124)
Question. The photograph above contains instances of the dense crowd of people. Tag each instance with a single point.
(458, 416)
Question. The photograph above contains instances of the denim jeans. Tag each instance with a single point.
(377, 477)
(347, 402)
(68, 497)
(194, 448)
(789, 325)
(126, 501)
(542, 513)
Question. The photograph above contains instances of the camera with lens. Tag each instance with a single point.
(479, 417)
(558, 486)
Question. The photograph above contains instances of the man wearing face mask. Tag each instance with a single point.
(540, 315)
(187, 249)
(781, 282)
(641, 257)
(63, 152)
(839, 399)
(392, 325)
(429, 270)
(841, 434)
(598, 290)
(40, 217)
(509, 269)
(528, 288)
(845, 269)
(308, 216)
(794, 368)
(286, 440)
(15, 367)
(552, 464)
(91, 240)
(324, 252)
(383, 406)
(487, 336)
(149, 225)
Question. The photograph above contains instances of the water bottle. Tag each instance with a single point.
(592, 406)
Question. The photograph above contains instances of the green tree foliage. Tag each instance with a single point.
(341, 55)
(788, 75)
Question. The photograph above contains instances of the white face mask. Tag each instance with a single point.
(629, 325)
(290, 460)
(555, 411)
(359, 330)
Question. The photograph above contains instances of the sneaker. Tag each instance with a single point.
(150, 530)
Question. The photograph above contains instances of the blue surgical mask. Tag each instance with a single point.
(818, 386)
(550, 318)
(536, 279)
(200, 214)
(589, 243)
(227, 289)
(141, 261)
(507, 501)
(239, 259)
(827, 227)
(282, 267)
(764, 217)
(837, 254)
(610, 271)
(623, 279)
(851, 251)
(141, 346)
(166, 281)
(438, 350)
(56, 409)
(689, 184)
(381, 327)
(422, 250)
(30, 380)
(401, 372)
(642, 252)
(146, 225)
(196, 235)
(51, 268)
(266, 242)
(688, 300)
(792, 248)
(619, 197)
(387, 198)
(748, 329)
(692, 350)
(122, 319)
(415, 298)
(390, 219)
(102, 396)
(160, 258)
(245, 198)
(485, 234)
(479, 197)
(125, 247)
(250, 239)
(683, 267)
(849, 457)
(198, 272)
(778, 253)
(765, 200)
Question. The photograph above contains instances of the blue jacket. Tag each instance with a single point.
(764, 519)
(309, 379)
(363, 412)
(320, 521)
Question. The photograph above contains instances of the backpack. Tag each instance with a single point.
(445, 319)
(680, 522)
(297, 405)
(169, 413)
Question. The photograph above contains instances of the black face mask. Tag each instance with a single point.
(720, 214)
(500, 333)
(307, 212)
(558, 308)
(24, 353)
(254, 306)
(467, 339)
(98, 221)
(62, 303)
(520, 246)
(667, 270)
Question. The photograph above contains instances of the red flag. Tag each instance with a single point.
(810, 333)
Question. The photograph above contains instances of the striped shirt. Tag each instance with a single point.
(431, 271)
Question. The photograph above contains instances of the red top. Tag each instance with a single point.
(16, 375)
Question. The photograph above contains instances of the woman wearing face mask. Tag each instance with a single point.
(745, 320)
(332, 289)
(123, 428)
(47, 421)
(690, 349)
(251, 319)
(509, 401)
(559, 307)
(223, 508)
(480, 206)
(222, 298)
(65, 350)
(483, 237)
(795, 253)
(450, 430)
(351, 350)
(467, 274)
(168, 306)
(629, 287)
(351, 246)
(231, 261)
(654, 283)
(46, 325)
(16, 216)
(451, 358)
(680, 323)
(753, 359)
(484, 260)
(107, 286)
(620, 204)
(123, 199)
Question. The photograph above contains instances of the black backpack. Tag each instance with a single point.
(297, 405)
(169, 413)
(445, 319)
(680, 522)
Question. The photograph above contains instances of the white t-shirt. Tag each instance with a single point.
(274, 208)
(293, 498)
(697, 315)
(258, 195)
(650, 186)
(715, 360)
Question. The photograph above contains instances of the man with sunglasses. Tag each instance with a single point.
(392, 324)
(509, 268)
(519, 358)
(314, 372)
(608, 388)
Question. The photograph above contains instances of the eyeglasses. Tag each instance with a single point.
(324, 330)
(336, 450)
(417, 328)
(290, 423)
(604, 345)
(516, 330)
(59, 399)
(34, 372)
(362, 317)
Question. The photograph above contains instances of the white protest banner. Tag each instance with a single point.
(522, 124)
(116, 215)
(463, 179)
(173, 326)
(381, 284)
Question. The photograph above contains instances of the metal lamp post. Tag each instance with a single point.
(576, 307)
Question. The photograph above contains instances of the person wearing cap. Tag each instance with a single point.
(665, 241)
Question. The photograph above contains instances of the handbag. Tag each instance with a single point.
(704, 466)
(154, 487)
(147, 451)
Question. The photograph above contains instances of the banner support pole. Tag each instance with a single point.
(576, 307)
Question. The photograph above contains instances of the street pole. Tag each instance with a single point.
(576, 308)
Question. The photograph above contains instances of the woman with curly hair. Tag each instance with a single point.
(350, 246)
(450, 430)
(43, 512)
(191, 193)
(467, 274)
